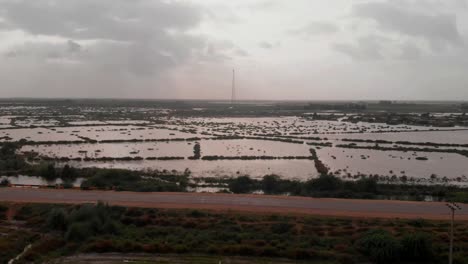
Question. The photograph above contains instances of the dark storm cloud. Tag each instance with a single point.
(105, 19)
(143, 37)
(439, 29)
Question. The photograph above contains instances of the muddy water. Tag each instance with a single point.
(394, 162)
(290, 169)
(114, 150)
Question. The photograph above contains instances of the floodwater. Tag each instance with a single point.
(129, 132)
(36, 134)
(251, 147)
(288, 169)
(341, 161)
(451, 137)
(399, 163)
(114, 150)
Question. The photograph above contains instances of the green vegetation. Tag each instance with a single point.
(9, 161)
(331, 186)
(67, 230)
(127, 180)
(196, 151)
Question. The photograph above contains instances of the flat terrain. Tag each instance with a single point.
(253, 203)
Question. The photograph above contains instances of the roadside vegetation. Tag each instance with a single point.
(334, 187)
(63, 230)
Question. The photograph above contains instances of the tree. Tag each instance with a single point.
(270, 184)
(48, 171)
(68, 172)
(242, 184)
(366, 185)
(325, 183)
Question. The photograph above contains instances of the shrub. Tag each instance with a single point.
(366, 185)
(57, 220)
(416, 246)
(380, 246)
(47, 170)
(79, 232)
(281, 228)
(270, 184)
(325, 183)
(242, 184)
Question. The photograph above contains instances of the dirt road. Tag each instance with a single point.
(253, 203)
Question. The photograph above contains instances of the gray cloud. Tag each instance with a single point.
(241, 52)
(73, 46)
(142, 37)
(410, 52)
(437, 28)
(315, 28)
(187, 49)
(265, 45)
(365, 48)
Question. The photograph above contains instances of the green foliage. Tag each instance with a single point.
(100, 228)
(8, 149)
(127, 180)
(242, 184)
(380, 246)
(366, 185)
(325, 183)
(9, 161)
(68, 173)
(83, 222)
(196, 151)
(47, 170)
(281, 228)
(416, 246)
(78, 232)
(57, 220)
(270, 184)
(4, 182)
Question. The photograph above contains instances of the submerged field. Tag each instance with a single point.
(171, 138)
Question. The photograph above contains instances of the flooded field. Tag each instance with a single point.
(421, 165)
(129, 132)
(251, 147)
(39, 134)
(289, 169)
(152, 138)
(448, 136)
(290, 126)
(114, 150)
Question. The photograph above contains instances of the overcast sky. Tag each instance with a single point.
(294, 50)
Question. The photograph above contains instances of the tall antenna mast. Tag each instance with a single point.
(233, 95)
